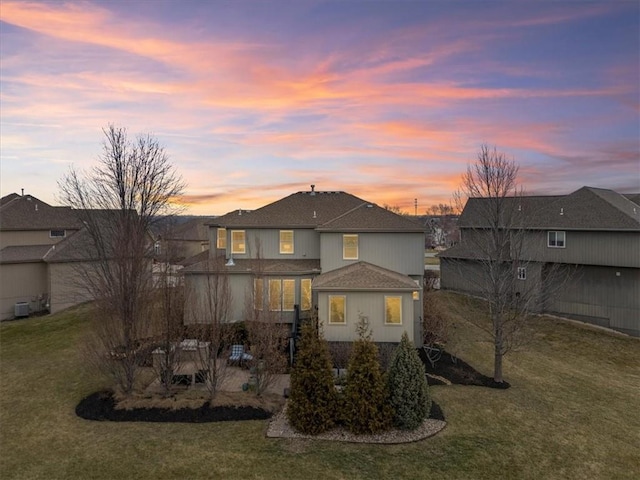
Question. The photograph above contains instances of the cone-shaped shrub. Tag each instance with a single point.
(365, 403)
(312, 398)
(408, 388)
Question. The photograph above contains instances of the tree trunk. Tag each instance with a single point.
(497, 365)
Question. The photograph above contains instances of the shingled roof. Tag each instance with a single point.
(588, 208)
(26, 212)
(363, 276)
(24, 253)
(326, 211)
(253, 266)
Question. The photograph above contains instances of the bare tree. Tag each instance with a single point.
(496, 255)
(132, 184)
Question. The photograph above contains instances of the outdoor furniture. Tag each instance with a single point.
(238, 355)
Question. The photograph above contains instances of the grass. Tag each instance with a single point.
(572, 412)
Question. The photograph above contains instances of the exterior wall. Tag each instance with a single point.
(400, 252)
(35, 237)
(65, 287)
(600, 296)
(306, 244)
(197, 289)
(22, 282)
(371, 305)
(620, 249)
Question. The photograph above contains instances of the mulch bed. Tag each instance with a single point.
(101, 406)
(457, 371)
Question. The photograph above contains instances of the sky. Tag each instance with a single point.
(389, 101)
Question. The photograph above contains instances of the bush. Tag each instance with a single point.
(365, 408)
(312, 398)
(408, 388)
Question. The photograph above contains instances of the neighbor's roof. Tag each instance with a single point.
(26, 212)
(196, 229)
(328, 211)
(588, 208)
(253, 266)
(363, 276)
(24, 253)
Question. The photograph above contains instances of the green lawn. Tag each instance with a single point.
(573, 412)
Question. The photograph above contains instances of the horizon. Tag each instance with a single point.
(387, 101)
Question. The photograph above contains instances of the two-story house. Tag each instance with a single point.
(333, 251)
(592, 233)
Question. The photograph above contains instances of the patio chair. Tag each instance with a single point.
(238, 355)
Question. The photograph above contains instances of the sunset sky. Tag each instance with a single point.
(387, 100)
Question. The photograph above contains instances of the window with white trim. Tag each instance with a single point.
(522, 273)
(275, 294)
(556, 239)
(282, 294)
(416, 293)
(221, 240)
(393, 310)
(337, 309)
(238, 241)
(286, 242)
(350, 247)
(305, 294)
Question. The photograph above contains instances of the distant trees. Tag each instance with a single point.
(117, 201)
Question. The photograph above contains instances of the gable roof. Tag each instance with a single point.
(363, 276)
(201, 263)
(195, 229)
(26, 212)
(298, 210)
(371, 217)
(587, 208)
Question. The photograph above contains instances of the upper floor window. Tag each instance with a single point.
(286, 241)
(522, 273)
(350, 247)
(337, 309)
(556, 239)
(305, 294)
(221, 241)
(393, 310)
(238, 241)
(57, 233)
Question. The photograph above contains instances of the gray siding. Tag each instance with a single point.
(306, 244)
(371, 305)
(23, 282)
(620, 249)
(401, 252)
(66, 286)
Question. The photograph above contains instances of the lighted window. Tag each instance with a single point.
(416, 293)
(258, 293)
(238, 241)
(350, 247)
(288, 294)
(275, 295)
(337, 309)
(522, 273)
(393, 310)
(222, 239)
(286, 242)
(305, 294)
(556, 239)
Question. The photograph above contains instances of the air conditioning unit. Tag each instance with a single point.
(21, 309)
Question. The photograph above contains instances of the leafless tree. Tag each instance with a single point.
(207, 318)
(132, 184)
(495, 239)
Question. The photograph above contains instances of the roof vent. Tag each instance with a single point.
(240, 212)
(313, 190)
(562, 211)
(314, 214)
(369, 205)
(519, 208)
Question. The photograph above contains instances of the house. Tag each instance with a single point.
(182, 240)
(333, 251)
(30, 230)
(592, 232)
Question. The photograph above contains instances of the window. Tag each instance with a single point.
(57, 233)
(416, 293)
(350, 247)
(393, 310)
(282, 294)
(337, 309)
(222, 239)
(522, 273)
(275, 295)
(286, 242)
(305, 294)
(288, 294)
(237, 241)
(258, 293)
(556, 239)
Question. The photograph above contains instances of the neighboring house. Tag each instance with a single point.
(30, 230)
(347, 257)
(180, 241)
(593, 232)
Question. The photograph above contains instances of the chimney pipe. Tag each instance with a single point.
(22, 194)
(313, 189)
